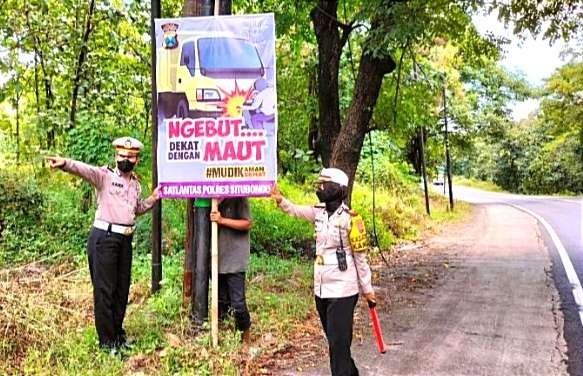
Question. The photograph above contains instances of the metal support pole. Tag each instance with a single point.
(189, 263)
(423, 167)
(447, 158)
(157, 208)
(200, 277)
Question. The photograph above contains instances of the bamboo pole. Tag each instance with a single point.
(215, 258)
(215, 276)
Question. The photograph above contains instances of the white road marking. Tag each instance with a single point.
(567, 264)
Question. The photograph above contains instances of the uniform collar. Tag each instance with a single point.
(343, 207)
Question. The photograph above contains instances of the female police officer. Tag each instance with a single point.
(339, 273)
(110, 243)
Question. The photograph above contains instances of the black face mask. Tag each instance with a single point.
(332, 195)
(330, 192)
(125, 165)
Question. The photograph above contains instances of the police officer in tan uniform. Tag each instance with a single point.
(110, 242)
(339, 272)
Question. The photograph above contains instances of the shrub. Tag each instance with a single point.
(397, 177)
(275, 232)
(300, 165)
(22, 203)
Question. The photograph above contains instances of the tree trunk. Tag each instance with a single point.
(413, 153)
(147, 105)
(192, 8)
(80, 62)
(36, 92)
(424, 168)
(346, 152)
(18, 124)
(313, 126)
(330, 46)
(49, 97)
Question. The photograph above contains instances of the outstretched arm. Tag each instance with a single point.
(93, 175)
(302, 211)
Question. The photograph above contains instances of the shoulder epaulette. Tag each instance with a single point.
(346, 208)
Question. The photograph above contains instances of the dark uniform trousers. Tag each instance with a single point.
(336, 315)
(110, 265)
(232, 299)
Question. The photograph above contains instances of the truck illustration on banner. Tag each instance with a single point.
(207, 75)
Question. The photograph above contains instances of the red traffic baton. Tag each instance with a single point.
(378, 333)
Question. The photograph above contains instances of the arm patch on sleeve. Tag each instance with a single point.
(357, 236)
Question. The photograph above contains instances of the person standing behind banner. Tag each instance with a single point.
(234, 221)
(110, 242)
(262, 110)
(339, 272)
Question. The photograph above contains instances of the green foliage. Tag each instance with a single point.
(558, 168)
(275, 232)
(112, 80)
(300, 165)
(554, 18)
(543, 154)
(390, 172)
(474, 183)
(90, 142)
(22, 204)
(396, 216)
(278, 289)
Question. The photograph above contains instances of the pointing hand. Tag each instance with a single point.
(55, 162)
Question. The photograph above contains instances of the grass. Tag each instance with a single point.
(279, 299)
(474, 183)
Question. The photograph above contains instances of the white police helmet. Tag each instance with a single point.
(334, 175)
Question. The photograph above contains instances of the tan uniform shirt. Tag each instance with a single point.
(118, 198)
(329, 280)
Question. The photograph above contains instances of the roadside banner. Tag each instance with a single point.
(217, 106)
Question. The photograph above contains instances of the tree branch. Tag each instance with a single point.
(398, 83)
(346, 28)
(80, 62)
